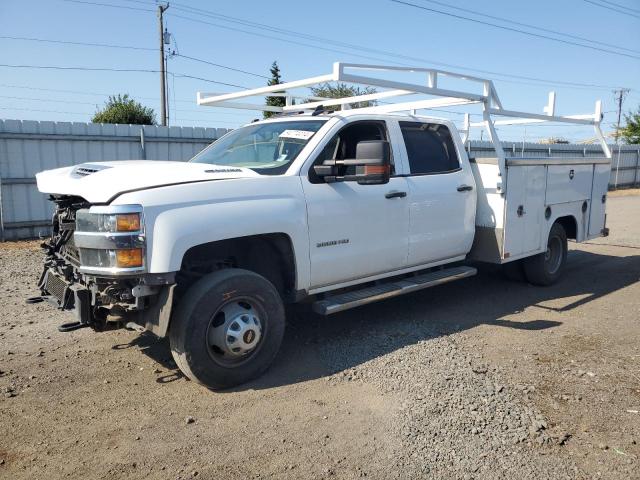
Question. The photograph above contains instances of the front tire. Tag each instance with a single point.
(546, 268)
(227, 328)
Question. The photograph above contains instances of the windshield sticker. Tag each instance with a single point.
(299, 134)
(223, 170)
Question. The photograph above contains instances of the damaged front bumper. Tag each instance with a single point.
(107, 303)
(95, 266)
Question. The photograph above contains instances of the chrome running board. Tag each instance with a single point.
(394, 288)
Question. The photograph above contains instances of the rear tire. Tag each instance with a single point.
(546, 268)
(227, 328)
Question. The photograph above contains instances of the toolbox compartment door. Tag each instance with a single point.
(568, 183)
(524, 208)
(598, 199)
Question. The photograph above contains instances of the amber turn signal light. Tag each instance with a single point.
(129, 258)
(376, 169)
(129, 222)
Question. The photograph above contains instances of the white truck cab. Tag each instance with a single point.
(340, 208)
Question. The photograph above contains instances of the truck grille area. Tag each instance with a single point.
(62, 258)
(70, 252)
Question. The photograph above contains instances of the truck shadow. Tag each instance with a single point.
(315, 346)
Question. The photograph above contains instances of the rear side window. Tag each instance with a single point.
(429, 147)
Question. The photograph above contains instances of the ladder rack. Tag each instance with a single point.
(361, 74)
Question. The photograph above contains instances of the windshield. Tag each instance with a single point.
(267, 148)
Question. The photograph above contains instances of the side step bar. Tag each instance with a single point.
(345, 301)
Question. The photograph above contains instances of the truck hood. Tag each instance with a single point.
(99, 182)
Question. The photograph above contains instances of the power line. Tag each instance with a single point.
(192, 10)
(107, 5)
(141, 2)
(77, 92)
(47, 111)
(47, 100)
(135, 70)
(276, 38)
(262, 26)
(88, 69)
(527, 25)
(226, 67)
(396, 55)
(621, 6)
(84, 44)
(182, 75)
(178, 110)
(531, 34)
(612, 8)
(10, 97)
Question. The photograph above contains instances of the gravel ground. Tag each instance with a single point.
(483, 378)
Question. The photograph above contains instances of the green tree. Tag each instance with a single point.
(124, 110)
(631, 131)
(275, 79)
(340, 90)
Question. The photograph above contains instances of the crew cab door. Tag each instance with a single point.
(355, 231)
(442, 197)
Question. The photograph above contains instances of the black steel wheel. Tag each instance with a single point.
(227, 328)
(546, 268)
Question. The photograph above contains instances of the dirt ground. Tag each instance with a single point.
(482, 378)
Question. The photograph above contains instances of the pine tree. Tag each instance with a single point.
(274, 80)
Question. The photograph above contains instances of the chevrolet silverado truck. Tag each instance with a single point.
(323, 203)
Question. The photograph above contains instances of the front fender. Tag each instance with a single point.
(213, 211)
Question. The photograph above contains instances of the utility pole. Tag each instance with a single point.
(620, 94)
(163, 78)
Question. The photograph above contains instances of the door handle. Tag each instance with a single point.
(465, 188)
(395, 194)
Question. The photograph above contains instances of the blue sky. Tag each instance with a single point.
(383, 32)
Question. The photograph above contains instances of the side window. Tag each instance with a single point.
(429, 147)
(343, 145)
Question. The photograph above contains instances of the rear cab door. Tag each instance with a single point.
(442, 192)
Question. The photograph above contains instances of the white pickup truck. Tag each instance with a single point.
(340, 208)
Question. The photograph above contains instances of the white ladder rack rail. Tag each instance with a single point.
(342, 72)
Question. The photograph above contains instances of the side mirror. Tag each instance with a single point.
(373, 162)
(372, 165)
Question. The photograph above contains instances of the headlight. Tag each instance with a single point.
(110, 239)
(86, 221)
